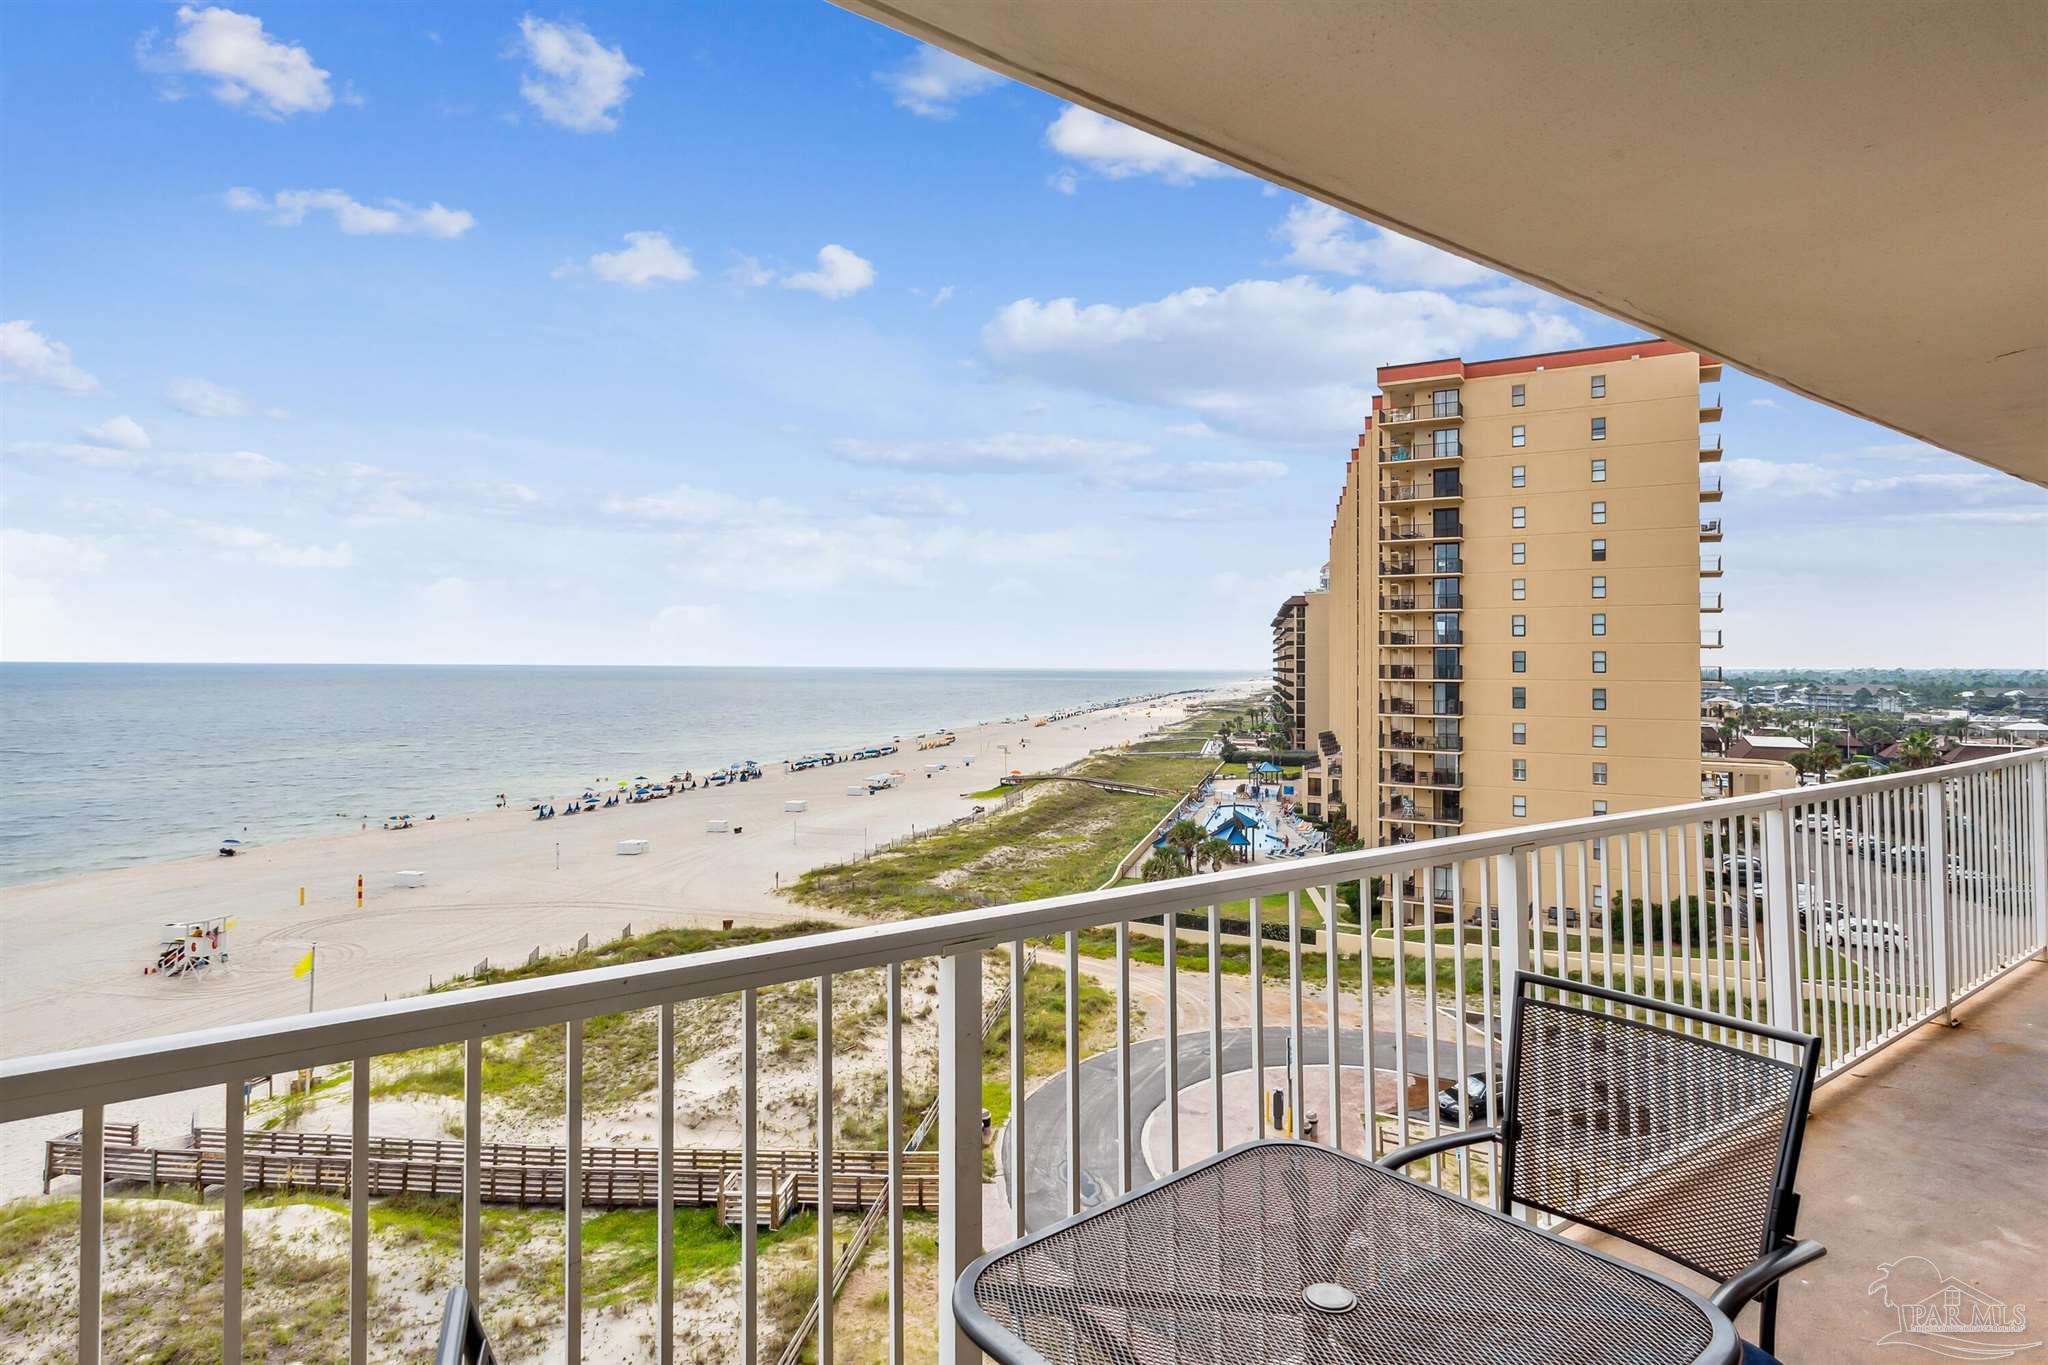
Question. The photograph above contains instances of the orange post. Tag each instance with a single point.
(359, 890)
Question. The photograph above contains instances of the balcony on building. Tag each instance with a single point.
(1710, 490)
(1435, 490)
(1710, 601)
(1710, 529)
(1403, 451)
(1710, 639)
(1710, 673)
(1710, 408)
(1710, 566)
(1422, 414)
(1711, 454)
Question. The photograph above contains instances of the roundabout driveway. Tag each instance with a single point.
(1045, 1109)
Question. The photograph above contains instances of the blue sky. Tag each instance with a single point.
(756, 334)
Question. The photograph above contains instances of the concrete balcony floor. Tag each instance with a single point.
(1935, 1147)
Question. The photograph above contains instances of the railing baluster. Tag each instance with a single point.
(231, 1226)
(1628, 918)
(959, 1141)
(750, 1176)
(1334, 998)
(92, 1165)
(572, 1191)
(1664, 915)
(1464, 1028)
(1020, 1219)
(1255, 956)
(665, 1190)
(1073, 1032)
(828, 1200)
(1216, 1026)
(359, 1212)
(2037, 849)
(1297, 1092)
(1397, 921)
(1123, 1056)
(894, 1125)
(1425, 885)
(1365, 1026)
(1171, 969)
(472, 1165)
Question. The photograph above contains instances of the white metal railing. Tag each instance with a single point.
(1857, 911)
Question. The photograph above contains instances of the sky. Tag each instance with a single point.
(759, 334)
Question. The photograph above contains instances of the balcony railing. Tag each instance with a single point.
(1421, 492)
(1710, 639)
(1710, 490)
(1711, 453)
(1399, 638)
(1427, 450)
(1710, 673)
(1397, 604)
(1400, 568)
(1760, 909)
(1450, 411)
(1710, 528)
(1397, 670)
(1710, 566)
(1710, 601)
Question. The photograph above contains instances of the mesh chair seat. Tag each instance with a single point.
(1213, 1264)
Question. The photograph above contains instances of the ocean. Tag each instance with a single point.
(109, 765)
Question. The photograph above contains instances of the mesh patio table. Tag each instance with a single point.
(1287, 1251)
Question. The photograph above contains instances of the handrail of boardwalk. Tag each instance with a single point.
(1857, 911)
(56, 1082)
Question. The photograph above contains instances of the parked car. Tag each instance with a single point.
(1749, 869)
(1860, 931)
(1465, 1101)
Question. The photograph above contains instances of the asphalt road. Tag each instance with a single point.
(1045, 1109)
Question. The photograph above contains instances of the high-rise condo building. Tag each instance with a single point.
(1515, 591)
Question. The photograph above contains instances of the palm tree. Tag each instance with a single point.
(1824, 756)
(1917, 749)
(1215, 852)
(1164, 865)
(1184, 837)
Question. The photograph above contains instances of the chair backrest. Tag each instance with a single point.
(462, 1333)
(1681, 1139)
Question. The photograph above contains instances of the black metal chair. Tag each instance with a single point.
(462, 1333)
(1680, 1142)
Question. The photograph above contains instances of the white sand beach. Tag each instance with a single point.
(498, 884)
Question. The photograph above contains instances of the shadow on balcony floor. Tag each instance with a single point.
(1935, 1148)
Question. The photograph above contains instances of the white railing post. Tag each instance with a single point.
(1934, 814)
(1513, 944)
(1781, 955)
(2037, 838)
(959, 1141)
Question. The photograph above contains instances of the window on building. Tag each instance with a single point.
(1599, 661)
(1520, 733)
(1519, 476)
(1599, 623)
(1599, 736)
(1599, 808)
(1518, 625)
(1520, 517)
(1521, 770)
(1518, 698)
(1599, 471)
(1519, 661)
(1520, 807)
(1519, 552)
(1599, 386)
(1444, 441)
(1599, 699)
(1599, 551)
(1599, 514)
(1518, 436)
(1518, 395)
(1518, 589)
(1599, 586)
(1599, 428)
(1599, 774)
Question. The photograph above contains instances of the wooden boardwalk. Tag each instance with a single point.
(510, 1173)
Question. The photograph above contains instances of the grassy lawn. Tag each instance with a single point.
(1069, 838)
(1145, 770)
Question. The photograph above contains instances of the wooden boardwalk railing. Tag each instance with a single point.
(511, 1173)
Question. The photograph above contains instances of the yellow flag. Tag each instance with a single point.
(305, 964)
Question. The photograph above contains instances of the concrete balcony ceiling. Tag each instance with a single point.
(1851, 205)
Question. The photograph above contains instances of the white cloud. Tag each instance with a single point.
(27, 354)
(572, 79)
(648, 258)
(1193, 431)
(749, 273)
(1319, 237)
(684, 505)
(1007, 453)
(1278, 359)
(911, 500)
(944, 293)
(1763, 402)
(390, 217)
(204, 398)
(250, 70)
(240, 468)
(121, 433)
(1839, 478)
(1065, 182)
(1265, 588)
(839, 275)
(39, 554)
(931, 82)
(246, 542)
(1118, 150)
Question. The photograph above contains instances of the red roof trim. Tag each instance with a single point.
(1527, 364)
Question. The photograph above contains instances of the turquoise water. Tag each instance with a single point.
(110, 765)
